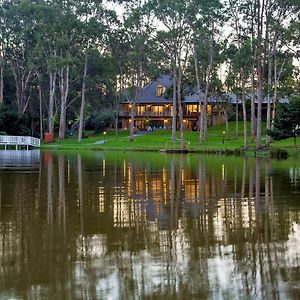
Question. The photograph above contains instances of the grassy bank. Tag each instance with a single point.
(160, 139)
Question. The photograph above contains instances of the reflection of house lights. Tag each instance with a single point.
(69, 171)
(101, 199)
(103, 168)
(223, 172)
(165, 179)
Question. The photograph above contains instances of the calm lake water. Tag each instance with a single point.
(96, 225)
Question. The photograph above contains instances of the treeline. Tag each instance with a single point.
(65, 60)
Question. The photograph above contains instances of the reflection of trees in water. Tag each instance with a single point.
(49, 167)
(127, 229)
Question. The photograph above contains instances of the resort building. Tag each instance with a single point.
(154, 108)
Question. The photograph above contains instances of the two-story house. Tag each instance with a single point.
(154, 108)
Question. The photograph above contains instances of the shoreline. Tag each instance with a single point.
(272, 152)
(217, 143)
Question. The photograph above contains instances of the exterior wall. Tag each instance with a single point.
(124, 123)
(159, 116)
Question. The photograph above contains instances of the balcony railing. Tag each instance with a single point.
(146, 114)
(191, 114)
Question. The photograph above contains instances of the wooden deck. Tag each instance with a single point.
(19, 142)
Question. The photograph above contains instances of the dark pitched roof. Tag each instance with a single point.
(284, 99)
(227, 97)
(148, 94)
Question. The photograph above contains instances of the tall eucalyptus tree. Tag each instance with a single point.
(206, 21)
(17, 42)
(138, 32)
(92, 15)
(175, 37)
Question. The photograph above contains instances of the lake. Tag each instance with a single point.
(125, 225)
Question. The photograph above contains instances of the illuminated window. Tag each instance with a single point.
(157, 109)
(160, 90)
(209, 109)
(192, 108)
(141, 110)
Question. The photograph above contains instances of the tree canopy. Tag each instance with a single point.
(63, 61)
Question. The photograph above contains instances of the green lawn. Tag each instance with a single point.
(155, 141)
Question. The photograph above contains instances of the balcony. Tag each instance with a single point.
(146, 114)
(188, 114)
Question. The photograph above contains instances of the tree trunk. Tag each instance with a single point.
(244, 109)
(276, 79)
(252, 106)
(270, 57)
(274, 96)
(200, 126)
(260, 76)
(226, 123)
(259, 105)
(236, 118)
(180, 109)
(253, 47)
(205, 102)
(133, 106)
(40, 108)
(52, 86)
(81, 118)
(118, 99)
(22, 80)
(174, 108)
(1, 77)
(64, 90)
(209, 69)
(117, 117)
(131, 125)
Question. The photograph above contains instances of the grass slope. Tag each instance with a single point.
(155, 141)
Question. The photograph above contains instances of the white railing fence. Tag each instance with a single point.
(19, 140)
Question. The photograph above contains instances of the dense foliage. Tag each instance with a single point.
(67, 60)
(14, 123)
(287, 121)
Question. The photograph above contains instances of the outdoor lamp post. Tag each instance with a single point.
(223, 136)
(104, 133)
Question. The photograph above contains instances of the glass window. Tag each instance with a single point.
(160, 91)
(141, 110)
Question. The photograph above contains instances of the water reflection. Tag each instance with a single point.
(120, 227)
(19, 159)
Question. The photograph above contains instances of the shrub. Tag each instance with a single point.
(13, 123)
(100, 121)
